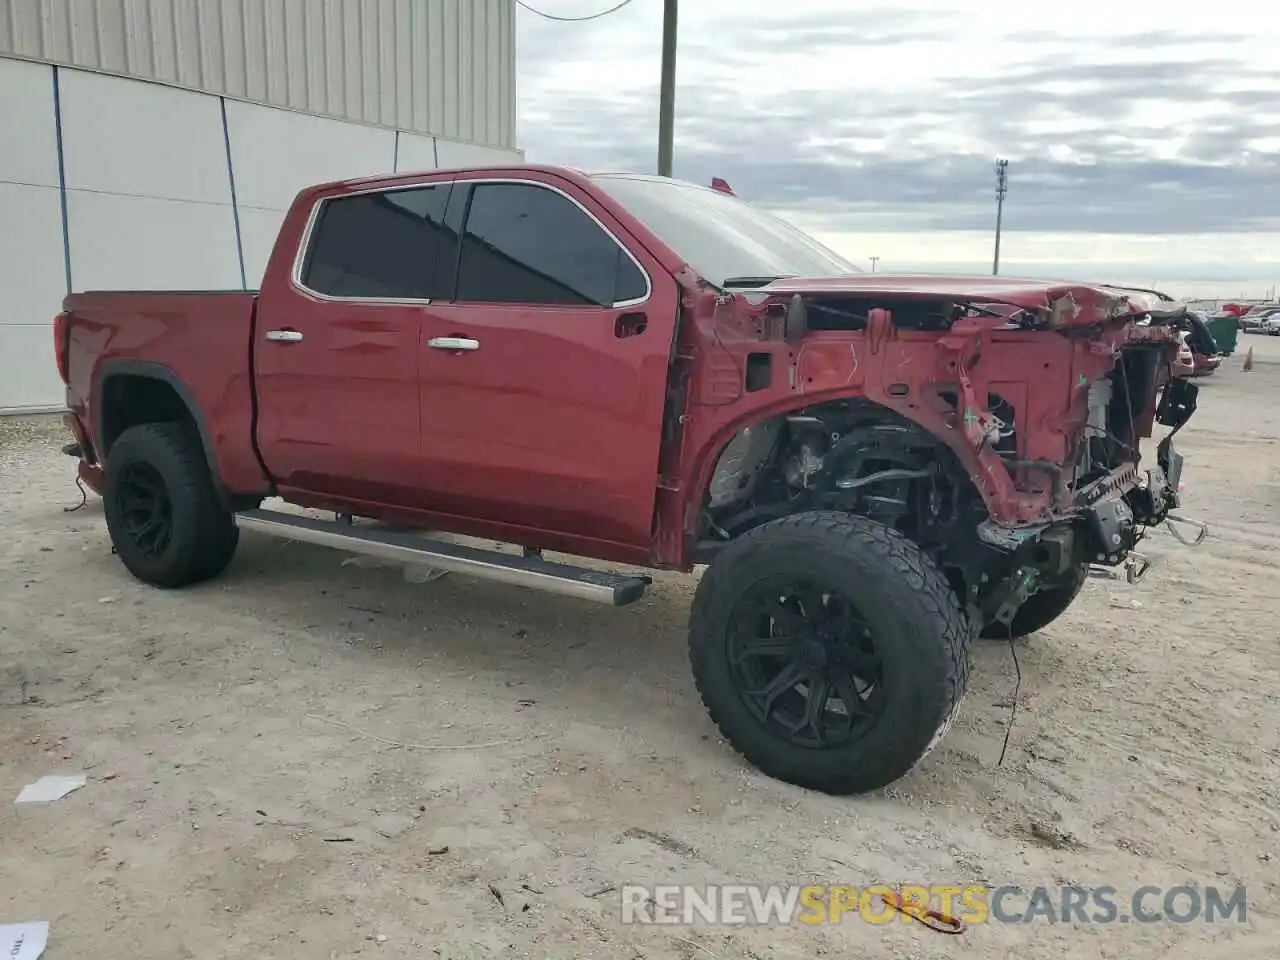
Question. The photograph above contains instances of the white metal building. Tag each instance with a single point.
(156, 143)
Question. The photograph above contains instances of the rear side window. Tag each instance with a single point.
(379, 246)
(527, 244)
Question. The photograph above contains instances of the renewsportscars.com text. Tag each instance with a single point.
(738, 904)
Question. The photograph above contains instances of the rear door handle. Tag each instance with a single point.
(453, 343)
(284, 336)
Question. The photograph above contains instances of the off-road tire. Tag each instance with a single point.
(203, 535)
(922, 638)
(1040, 610)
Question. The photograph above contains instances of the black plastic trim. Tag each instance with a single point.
(151, 370)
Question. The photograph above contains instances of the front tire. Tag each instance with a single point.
(163, 513)
(856, 615)
(1039, 610)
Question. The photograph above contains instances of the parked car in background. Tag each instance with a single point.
(1204, 364)
(1185, 363)
(1206, 354)
(1270, 324)
(1256, 316)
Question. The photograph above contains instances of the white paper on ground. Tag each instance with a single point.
(416, 573)
(47, 789)
(23, 941)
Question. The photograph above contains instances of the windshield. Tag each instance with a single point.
(720, 236)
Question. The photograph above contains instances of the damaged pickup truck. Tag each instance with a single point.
(875, 469)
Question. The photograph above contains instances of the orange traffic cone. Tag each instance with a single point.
(1248, 361)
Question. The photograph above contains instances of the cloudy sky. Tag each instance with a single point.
(1143, 138)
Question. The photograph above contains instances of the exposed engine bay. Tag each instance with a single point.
(857, 456)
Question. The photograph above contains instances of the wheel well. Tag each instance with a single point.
(847, 456)
(129, 399)
(767, 451)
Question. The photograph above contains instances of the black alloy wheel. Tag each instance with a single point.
(805, 662)
(166, 520)
(830, 651)
(146, 510)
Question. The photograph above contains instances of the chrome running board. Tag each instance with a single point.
(615, 589)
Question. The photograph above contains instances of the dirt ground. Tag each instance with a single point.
(557, 749)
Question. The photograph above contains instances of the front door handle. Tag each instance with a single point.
(284, 336)
(453, 343)
(630, 325)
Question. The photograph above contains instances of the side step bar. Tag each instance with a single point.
(616, 589)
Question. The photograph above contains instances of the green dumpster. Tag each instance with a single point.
(1224, 329)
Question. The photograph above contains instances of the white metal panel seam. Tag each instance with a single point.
(235, 203)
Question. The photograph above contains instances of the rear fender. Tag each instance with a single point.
(149, 370)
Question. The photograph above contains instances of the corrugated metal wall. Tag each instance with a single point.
(441, 67)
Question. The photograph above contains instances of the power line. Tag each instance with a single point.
(594, 16)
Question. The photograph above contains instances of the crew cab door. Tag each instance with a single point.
(337, 346)
(544, 378)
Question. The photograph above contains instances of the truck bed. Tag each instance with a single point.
(196, 342)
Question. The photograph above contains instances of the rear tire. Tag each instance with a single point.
(1040, 610)
(870, 621)
(163, 513)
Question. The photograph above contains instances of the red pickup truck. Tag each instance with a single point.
(875, 469)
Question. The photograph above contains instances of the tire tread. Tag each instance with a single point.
(888, 560)
(205, 535)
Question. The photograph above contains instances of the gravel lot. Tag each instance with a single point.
(307, 759)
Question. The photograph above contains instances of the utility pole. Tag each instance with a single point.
(1002, 187)
(874, 261)
(667, 91)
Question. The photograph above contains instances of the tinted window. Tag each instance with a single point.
(527, 244)
(378, 245)
(721, 236)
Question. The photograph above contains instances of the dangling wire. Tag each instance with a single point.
(594, 16)
(84, 498)
(1017, 686)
